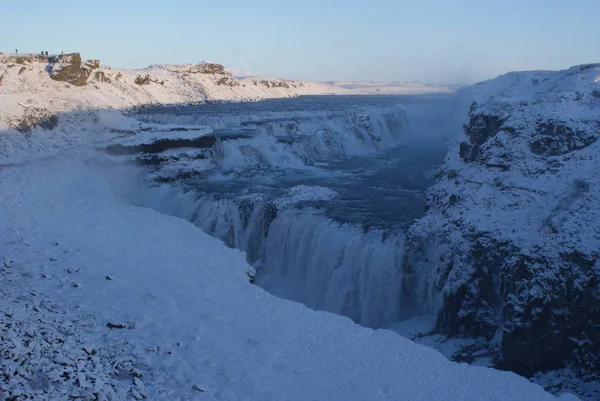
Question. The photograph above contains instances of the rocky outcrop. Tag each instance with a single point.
(210, 68)
(269, 83)
(101, 76)
(93, 64)
(510, 247)
(146, 80)
(142, 80)
(68, 68)
(177, 137)
(228, 81)
(202, 68)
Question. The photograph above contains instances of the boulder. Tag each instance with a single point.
(210, 68)
(93, 64)
(142, 80)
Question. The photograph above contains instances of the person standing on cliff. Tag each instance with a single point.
(16, 51)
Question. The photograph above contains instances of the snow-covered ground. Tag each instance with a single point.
(104, 300)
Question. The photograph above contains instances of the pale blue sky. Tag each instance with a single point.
(451, 41)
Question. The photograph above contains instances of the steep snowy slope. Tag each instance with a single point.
(510, 247)
(104, 301)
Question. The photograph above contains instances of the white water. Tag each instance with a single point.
(335, 267)
(302, 255)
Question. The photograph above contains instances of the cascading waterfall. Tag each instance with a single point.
(301, 253)
(335, 267)
(305, 136)
(242, 224)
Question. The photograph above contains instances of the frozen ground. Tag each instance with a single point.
(185, 323)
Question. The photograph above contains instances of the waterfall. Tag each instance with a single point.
(302, 255)
(298, 251)
(334, 267)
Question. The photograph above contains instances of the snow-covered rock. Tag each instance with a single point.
(510, 247)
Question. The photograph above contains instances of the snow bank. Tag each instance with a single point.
(176, 306)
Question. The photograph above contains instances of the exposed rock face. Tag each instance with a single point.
(228, 81)
(270, 83)
(68, 68)
(102, 77)
(510, 247)
(146, 80)
(160, 145)
(142, 80)
(210, 68)
(93, 64)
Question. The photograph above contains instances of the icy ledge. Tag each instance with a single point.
(184, 319)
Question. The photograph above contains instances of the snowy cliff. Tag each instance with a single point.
(510, 247)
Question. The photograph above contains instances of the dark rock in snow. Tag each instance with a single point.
(142, 80)
(160, 145)
(197, 388)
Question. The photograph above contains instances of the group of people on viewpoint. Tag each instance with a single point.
(42, 53)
